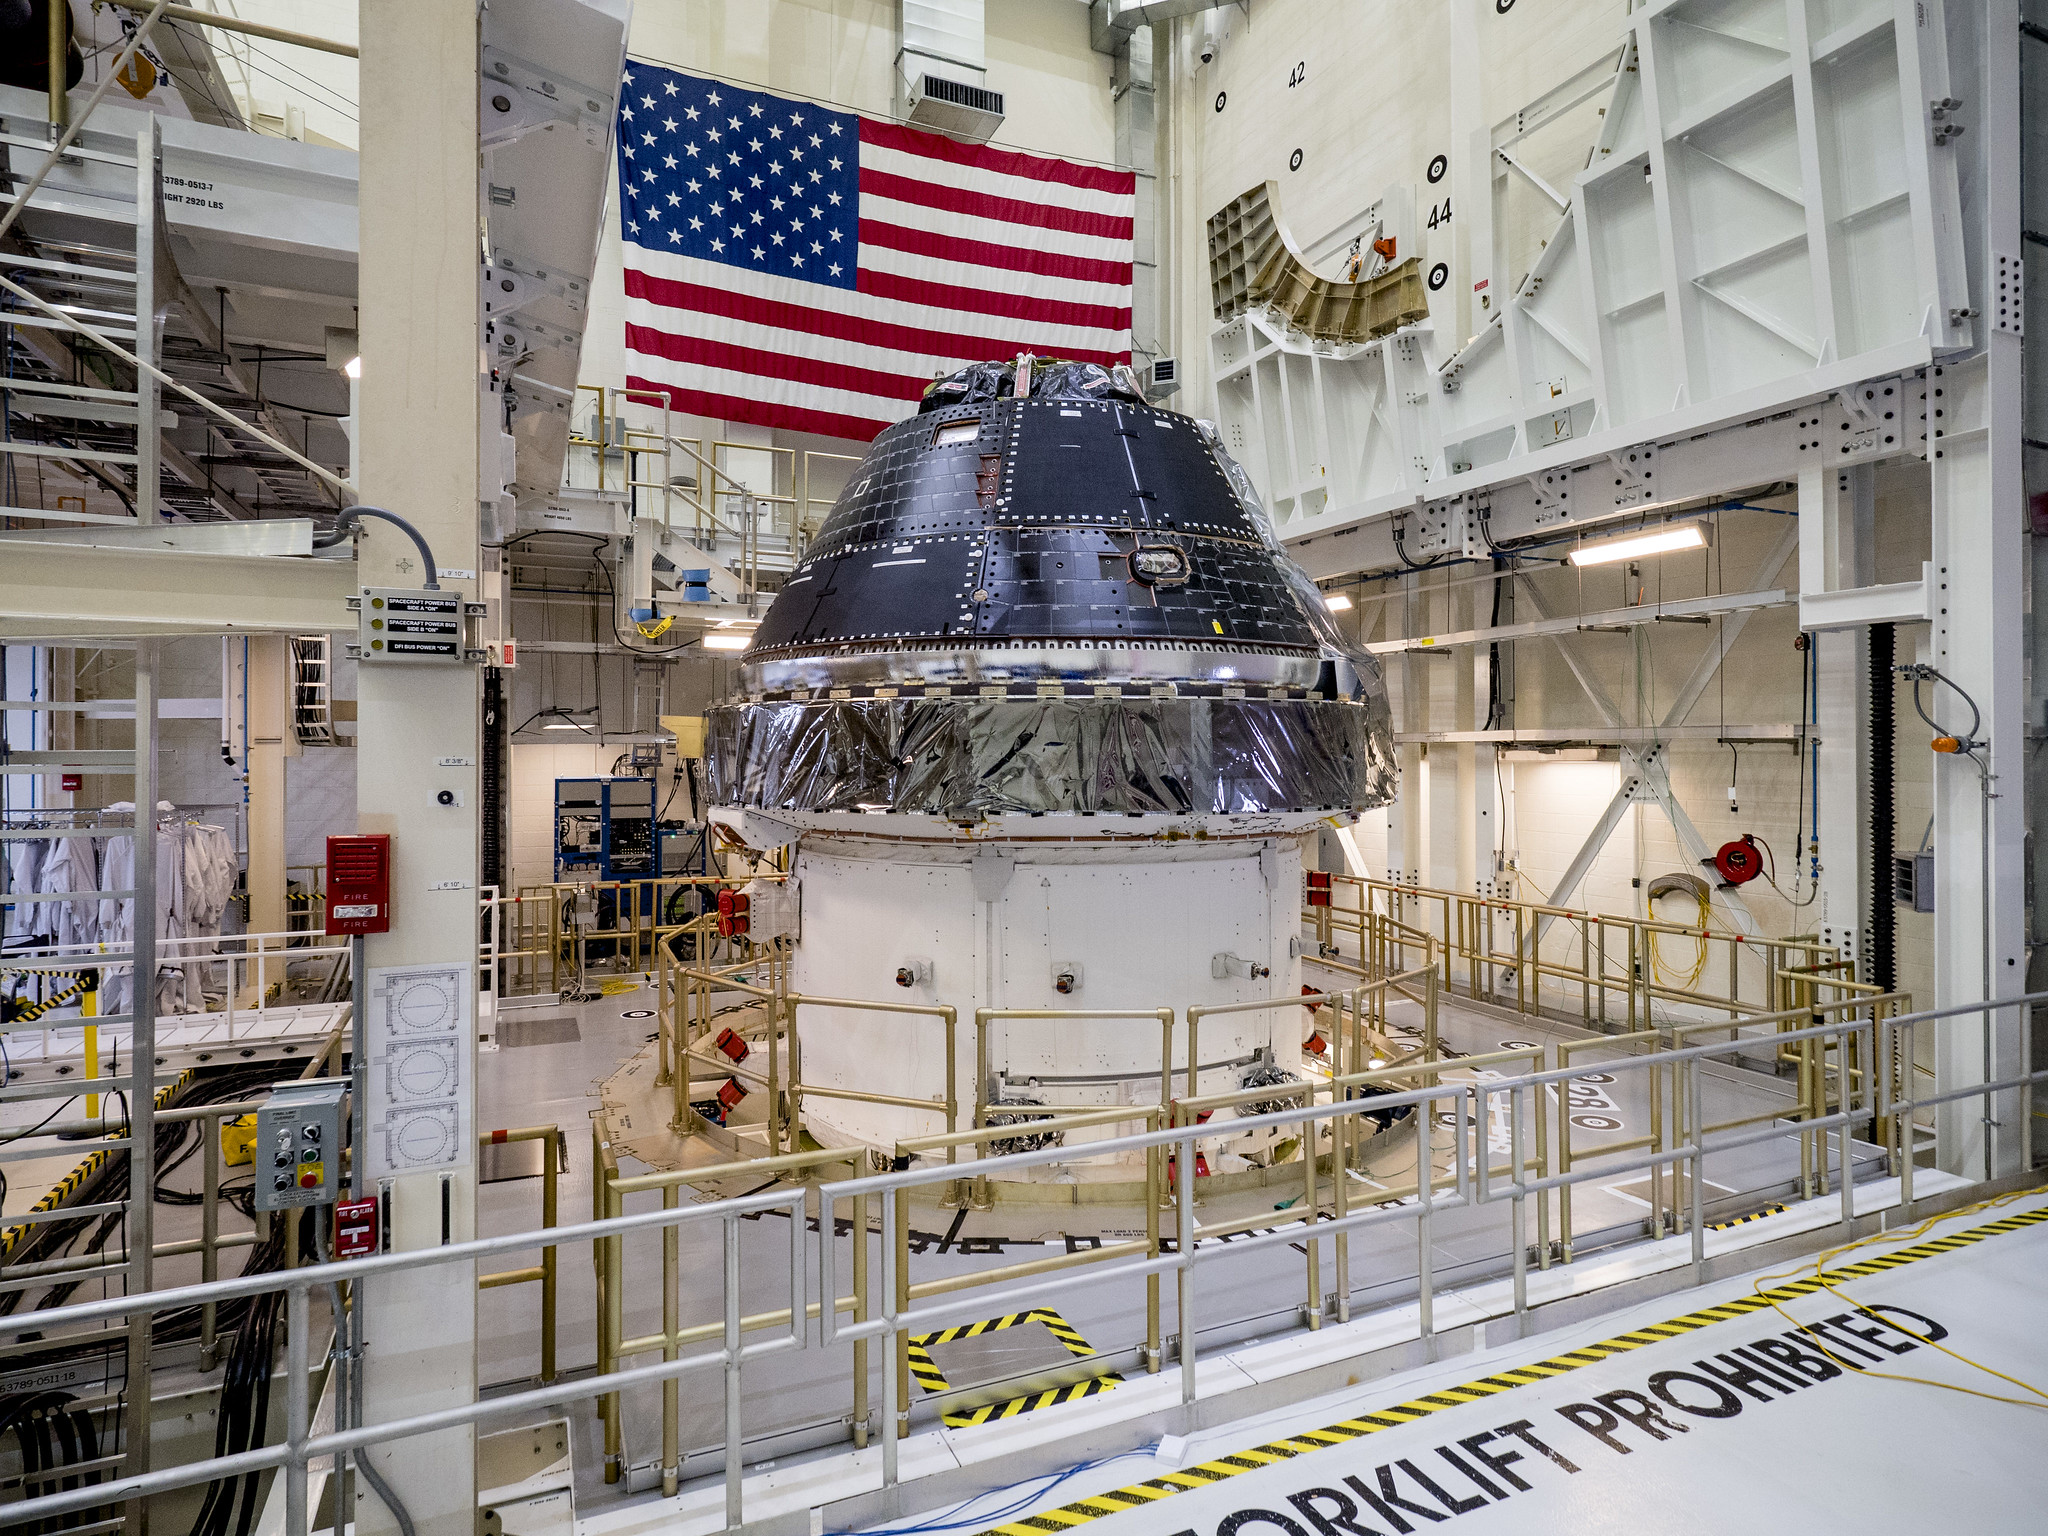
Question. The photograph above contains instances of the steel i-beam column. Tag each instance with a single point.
(1837, 515)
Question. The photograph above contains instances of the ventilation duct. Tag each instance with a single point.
(942, 70)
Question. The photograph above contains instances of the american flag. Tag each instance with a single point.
(792, 265)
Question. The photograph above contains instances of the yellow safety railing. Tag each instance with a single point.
(554, 1160)
(1501, 950)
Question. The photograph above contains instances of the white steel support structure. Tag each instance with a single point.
(1979, 559)
(1764, 240)
(422, 348)
(1645, 774)
(1408, 680)
(1794, 251)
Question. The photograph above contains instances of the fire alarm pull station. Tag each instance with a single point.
(355, 1228)
(359, 883)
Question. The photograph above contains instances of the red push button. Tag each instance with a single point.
(309, 1181)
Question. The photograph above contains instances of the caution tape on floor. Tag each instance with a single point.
(926, 1373)
(1165, 1486)
(1735, 1221)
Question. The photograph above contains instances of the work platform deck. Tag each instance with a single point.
(1255, 1353)
(1807, 1395)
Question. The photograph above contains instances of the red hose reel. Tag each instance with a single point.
(1738, 862)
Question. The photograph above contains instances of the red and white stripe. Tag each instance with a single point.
(967, 253)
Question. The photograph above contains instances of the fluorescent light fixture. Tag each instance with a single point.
(1336, 602)
(730, 641)
(564, 725)
(1662, 541)
(353, 367)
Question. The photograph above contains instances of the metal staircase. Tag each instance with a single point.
(94, 243)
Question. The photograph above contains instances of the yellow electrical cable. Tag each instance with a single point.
(1820, 1274)
(1699, 963)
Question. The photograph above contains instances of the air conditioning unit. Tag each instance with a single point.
(1165, 378)
(954, 108)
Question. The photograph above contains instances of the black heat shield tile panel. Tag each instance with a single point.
(910, 588)
(1073, 583)
(1035, 508)
(911, 483)
(1115, 465)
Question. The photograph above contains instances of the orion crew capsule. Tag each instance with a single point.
(1045, 710)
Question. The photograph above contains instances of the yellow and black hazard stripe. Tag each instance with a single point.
(78, 1178)
(925, 1371)
(1165, 1486)
(33, 1011)
(1735, 1221)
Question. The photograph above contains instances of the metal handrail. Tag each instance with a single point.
(1467, 937)
(553, 1159)
(1472, 1183)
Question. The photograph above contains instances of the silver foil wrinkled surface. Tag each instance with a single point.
(972, 758)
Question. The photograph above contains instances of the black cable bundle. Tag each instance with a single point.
(51, 1440)
(244, 1413)
(1881, 952)
(52, 1436)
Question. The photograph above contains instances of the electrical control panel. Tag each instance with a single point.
(414, 624)
(298, 1150)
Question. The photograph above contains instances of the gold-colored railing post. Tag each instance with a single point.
(860, 1308)
(671, 1323)
(899, 1336)
(665, 1074)
(604, 1255)
(1636, 979)
(557, 1152)
(1657, 1144)
(1429, 1010)
(952, 1022)
(1527, 979)
(1541, 1097)
(774, 1077)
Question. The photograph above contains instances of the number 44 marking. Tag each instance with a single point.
(1440, 213)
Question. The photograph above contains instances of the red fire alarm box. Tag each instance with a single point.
(355, 1228)
(359, 883)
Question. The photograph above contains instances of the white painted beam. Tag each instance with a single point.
(1606, 618)
(56, 590)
